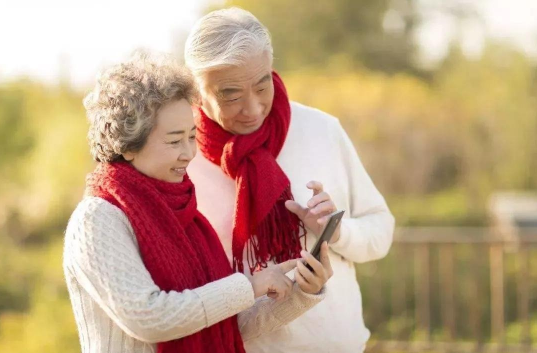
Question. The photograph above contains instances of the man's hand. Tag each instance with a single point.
(316, 215)
(313, 281)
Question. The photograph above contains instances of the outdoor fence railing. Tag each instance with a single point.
(452, 290)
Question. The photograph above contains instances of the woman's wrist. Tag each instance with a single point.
(258, 287)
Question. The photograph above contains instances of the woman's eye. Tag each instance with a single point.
(261, 90)
(193, 137)
(175, 142)
(233, 100)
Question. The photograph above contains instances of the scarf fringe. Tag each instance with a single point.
(278, 238)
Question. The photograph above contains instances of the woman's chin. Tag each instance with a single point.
(177, 179)
(177, 176)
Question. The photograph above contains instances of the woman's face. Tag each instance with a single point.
(170, 146)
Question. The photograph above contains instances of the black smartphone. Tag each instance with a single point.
(331, 226)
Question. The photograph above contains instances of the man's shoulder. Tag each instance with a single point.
(305, 116)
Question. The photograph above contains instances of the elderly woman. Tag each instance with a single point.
(145, 270)
(258, 151)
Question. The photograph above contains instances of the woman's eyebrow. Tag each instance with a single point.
(178, 132)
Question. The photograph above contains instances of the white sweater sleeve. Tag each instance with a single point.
(102, 255)
(268, 314)
(367, 229)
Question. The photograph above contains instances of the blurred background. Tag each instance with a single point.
(439, 98)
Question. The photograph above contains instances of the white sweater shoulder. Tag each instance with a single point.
(310, 118)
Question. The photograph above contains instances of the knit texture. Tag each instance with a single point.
(118, 307)
(260, 219)
(178, 246)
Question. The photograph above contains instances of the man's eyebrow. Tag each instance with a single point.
(265, 78)
(228, 91)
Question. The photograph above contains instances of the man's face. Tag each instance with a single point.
(239, 98)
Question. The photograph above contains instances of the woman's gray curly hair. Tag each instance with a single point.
(123, 106)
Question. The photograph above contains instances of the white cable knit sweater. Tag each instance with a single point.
(118, 308)
(316, 148)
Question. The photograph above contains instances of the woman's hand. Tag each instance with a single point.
(312, 282)
(273, 281)
(317, 213)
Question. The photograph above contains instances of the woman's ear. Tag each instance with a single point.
(128, 156)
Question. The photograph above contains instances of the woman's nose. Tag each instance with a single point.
(188, 152)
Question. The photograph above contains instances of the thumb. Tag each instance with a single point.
(287, 265)
(295, 208)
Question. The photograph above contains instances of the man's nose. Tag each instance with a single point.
(253, 108)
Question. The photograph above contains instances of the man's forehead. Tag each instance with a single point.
(240, 77)
(233, 83)
(251, 72)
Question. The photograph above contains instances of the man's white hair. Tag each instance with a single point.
(227, 37)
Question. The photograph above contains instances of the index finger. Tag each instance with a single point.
(312, 261)
(325, 259)
(316, 186)
(287, 265)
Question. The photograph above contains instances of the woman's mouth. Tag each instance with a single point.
(179, 171)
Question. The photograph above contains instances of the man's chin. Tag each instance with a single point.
(246, 130)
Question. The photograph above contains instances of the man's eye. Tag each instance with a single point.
(233, 99)
(261, 90)
(174, 142)
(193, 137)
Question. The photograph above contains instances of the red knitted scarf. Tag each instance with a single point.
(262, 187)
(178, 246)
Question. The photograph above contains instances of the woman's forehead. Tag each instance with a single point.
(175, 116)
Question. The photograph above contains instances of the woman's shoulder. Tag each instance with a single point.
(95, 209)
(91, 225)
(93, 216)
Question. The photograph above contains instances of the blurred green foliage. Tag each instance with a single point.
(437, 145)
(317, 33)
(437, 149)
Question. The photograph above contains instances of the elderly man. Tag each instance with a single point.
(263, 156)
